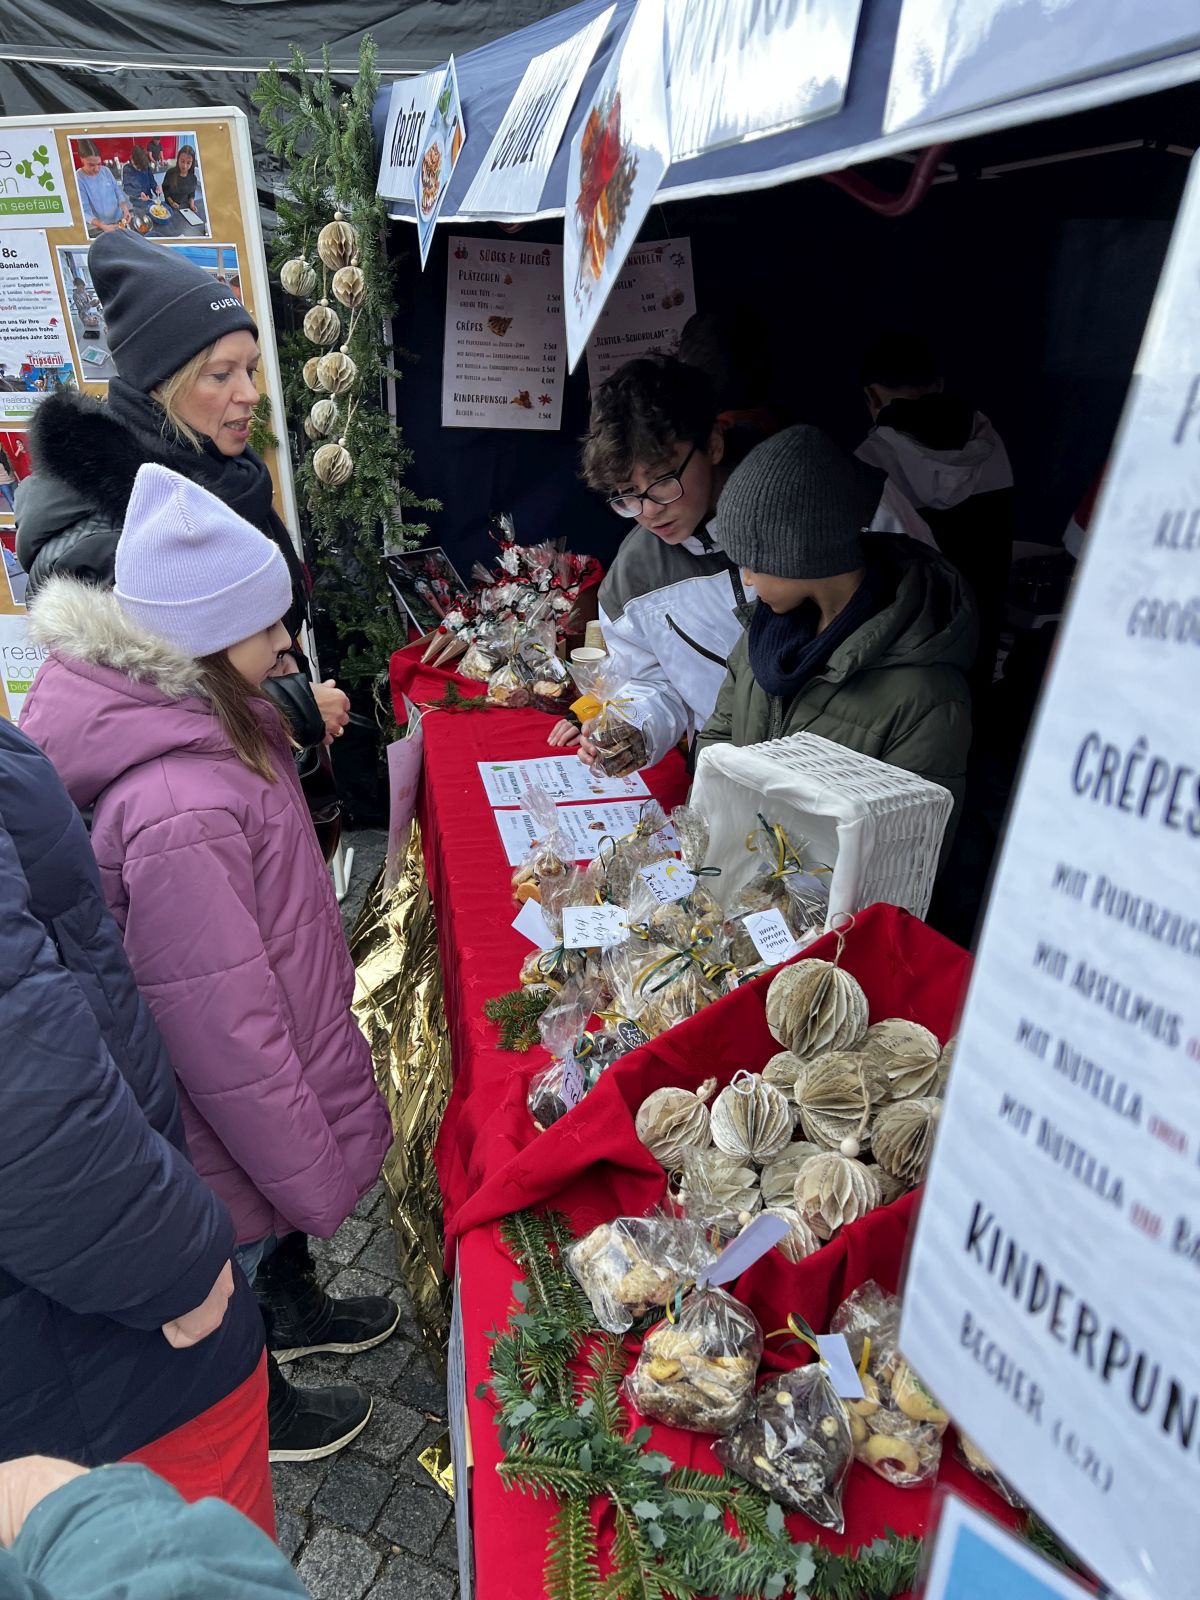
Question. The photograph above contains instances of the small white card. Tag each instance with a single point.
(755, 1239)
(839, 1366)
(531, 921)
(573, 1086)
(667, 881)
(773, 939)
(594, 927)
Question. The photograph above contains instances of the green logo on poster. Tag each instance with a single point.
(40, 158)
(36, 168)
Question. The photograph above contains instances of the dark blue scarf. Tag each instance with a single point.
(787, 651)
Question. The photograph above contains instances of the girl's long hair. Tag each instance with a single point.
(234, 701)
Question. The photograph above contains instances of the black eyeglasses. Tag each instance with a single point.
(662, 492)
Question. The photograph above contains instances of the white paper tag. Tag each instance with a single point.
(839, 1366)
(755, 1239)
(531, 921)
(773, 939)
(594, 927)
(573, 1087)
(667, 881)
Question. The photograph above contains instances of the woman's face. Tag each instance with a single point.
(220, 402)
(255, 657)
(184, 163)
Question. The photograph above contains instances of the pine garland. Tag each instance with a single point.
(454, 700)
(517, 1013)
(323, 133)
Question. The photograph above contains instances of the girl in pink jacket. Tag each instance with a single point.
(150, 705)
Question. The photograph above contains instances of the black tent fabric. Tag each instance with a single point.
(72, 56)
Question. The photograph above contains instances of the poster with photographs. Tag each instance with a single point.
(149, 182)
(425, 585)
(86, 313)
(35, 355)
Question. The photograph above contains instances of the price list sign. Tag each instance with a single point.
(1053, 1295)
(504, 356)
(652, 298)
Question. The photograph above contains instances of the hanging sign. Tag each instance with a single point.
(1053, 1295)
(741, 69)
(503, 356)
(445, 134)
(409, 110)
(513, 173)
(649, 304)
(618, 160)
(33, 192)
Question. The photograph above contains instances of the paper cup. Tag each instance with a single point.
(586, 656)
(593, 638)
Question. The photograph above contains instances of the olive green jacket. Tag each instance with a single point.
(895, 689)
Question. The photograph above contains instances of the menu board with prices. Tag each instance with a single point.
(504, 358)
(1053, 1295)
(653, 297)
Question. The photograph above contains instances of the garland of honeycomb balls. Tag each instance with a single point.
(333, 374)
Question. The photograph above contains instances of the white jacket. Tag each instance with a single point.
(669, 614)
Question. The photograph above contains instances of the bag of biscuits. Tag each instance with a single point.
(697, 1367)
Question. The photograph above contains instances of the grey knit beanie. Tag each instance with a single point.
(796, 506)
(160, 309)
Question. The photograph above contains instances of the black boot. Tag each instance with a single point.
(309, 1424)
(305, 1319)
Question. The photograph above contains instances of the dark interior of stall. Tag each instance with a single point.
(1030, 264)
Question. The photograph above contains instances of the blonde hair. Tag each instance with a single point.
(233, 702)
(172, 390)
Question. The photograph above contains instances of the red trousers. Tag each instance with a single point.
(222, 1453)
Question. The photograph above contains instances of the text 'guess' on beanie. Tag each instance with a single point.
(796, 506)
(160, 309)
(191, 571)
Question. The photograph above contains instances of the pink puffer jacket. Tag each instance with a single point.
(228, 914)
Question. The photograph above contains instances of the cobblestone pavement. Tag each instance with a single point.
(370, 1524)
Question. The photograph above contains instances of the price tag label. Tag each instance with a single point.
(594, 927)
(772, 937)
(840, 1368)
(573, 1086)
(667, 881)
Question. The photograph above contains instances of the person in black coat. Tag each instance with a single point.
(121, 1319)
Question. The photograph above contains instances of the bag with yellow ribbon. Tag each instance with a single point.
(605, 711)
(789, 880)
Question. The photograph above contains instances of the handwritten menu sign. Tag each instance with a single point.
(504, 359)
(653, 297)
(1053, 1297)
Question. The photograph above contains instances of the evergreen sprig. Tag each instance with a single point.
(517, 1014)
(322, 131)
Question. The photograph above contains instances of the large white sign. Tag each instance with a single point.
(649, 304)
(1053, 1298)
(503, 357)
(409, 112)
(619, 158)
(957, 55)
(33, 191)
(740, 69)
(35, 351)
(20, 659)
(513, 173)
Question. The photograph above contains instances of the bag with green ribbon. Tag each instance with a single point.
(789, 880)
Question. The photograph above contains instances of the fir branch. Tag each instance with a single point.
(517, 1013)
(454, 700)
(544, 1475)
(571, 1569)
(608, 1360)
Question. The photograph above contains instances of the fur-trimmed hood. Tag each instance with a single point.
(110, 697)
(79, 441)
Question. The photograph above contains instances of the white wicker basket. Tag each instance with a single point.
(880, 828)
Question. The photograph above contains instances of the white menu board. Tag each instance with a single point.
(504, 357)
(1053, 1297)
(646, 308)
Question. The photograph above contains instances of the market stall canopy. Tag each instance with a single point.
(923, 71)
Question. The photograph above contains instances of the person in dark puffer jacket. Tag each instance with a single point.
(121, 1320)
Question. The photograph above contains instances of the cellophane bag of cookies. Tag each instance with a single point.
(898, 1426)
(549, 857)
(559, 1087)
(788, 880)
(697, 1372)
(973, 1458)
(607, 714)
(795, 1445)
(632, 1265)
(692, 832)
(543, 672)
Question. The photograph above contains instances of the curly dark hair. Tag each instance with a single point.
(640, 414)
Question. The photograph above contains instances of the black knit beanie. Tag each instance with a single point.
(796, 506)
(160, 309)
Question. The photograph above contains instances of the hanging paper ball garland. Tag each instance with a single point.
(333, 463)
(350, 287)
(337, 372)
(297, 278)
(337, 243)
(322, 325)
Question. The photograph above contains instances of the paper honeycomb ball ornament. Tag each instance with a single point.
(322, 325)
(297, 278)
(333, 463)
(800, 1241)
(779, 1176)
(716, 1188)
(833, 1190)
(312, 378)
(838, 1096)
(909, 1054)
(751, 1119)
(337, 244)
(324, 419)
(904, 1135)
(670, 1121)
(814, 1006)
(350, 287)
(337, 371)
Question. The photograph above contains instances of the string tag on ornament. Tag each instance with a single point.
(755, 1239)
(668, 881)
(773, 939)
